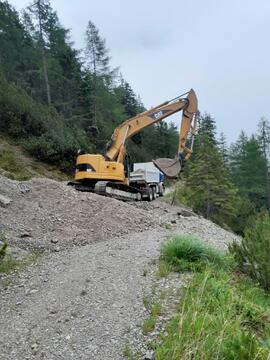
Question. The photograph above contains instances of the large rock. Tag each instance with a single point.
(4, 201)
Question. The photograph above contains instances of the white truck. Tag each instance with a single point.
(147, 178)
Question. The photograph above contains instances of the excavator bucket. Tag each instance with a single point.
(169, 167)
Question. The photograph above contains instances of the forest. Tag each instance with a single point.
(55, 99)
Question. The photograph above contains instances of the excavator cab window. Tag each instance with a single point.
(127, 166)
(137, 139)
(84, 167)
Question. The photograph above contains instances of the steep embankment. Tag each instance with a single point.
(15, 163)
(84, 302)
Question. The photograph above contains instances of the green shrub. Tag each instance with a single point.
(185, 252)
(253, 253)
(58, 146)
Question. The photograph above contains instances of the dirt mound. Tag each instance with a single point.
(46, 214)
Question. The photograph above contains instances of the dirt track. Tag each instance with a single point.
(81, 302)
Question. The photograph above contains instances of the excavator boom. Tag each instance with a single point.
(131, 127)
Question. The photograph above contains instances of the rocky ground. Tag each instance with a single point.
(85, 298)
(48, 215)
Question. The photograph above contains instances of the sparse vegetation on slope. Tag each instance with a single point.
(16, 164)
(222, 315)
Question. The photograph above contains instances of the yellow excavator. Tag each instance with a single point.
(108, 174)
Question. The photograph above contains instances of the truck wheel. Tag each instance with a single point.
(139, 196)
(161, 190)
(150, 194)
(154, 193)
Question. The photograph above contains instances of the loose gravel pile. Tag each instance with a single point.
(49, 215)
(46, 214)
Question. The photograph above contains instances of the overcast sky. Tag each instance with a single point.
(163, 48)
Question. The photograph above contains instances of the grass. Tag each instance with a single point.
(222, 314)
(9, 264)
(168, 226)
(219, 318)
(164, 268)
(184, 253)
(146, 302)
(150, 323)
(129, 353)
(14, 168)
(20, 166)
(145, 272)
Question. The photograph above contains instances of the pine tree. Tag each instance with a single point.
(97, 64)
(264, 141)
(207, 126)
(210, 191)
(17, 55)
(42, 11)
(96, 53)
(128, 99)
(247, 168)
(222, 144)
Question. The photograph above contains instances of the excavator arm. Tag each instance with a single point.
(116, 148)
(108, 174)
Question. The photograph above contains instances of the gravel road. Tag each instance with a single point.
(78, 304)
(81, 302)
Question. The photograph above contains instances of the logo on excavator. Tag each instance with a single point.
(157, 115)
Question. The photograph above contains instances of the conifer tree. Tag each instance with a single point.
(128, 99)
(264, 141)
(96, 53)
(42, 12)
(247, 168)
(210, 191)
(222, 144)
(97, 63)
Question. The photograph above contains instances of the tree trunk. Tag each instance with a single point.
(266, 165)
(44, 62)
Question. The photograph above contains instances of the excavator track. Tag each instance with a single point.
(81, 187)
(117, 191)
(111, 189)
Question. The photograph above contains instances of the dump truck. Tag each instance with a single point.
(148, 179)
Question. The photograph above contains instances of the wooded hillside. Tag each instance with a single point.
(55, 99)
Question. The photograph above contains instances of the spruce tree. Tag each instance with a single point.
(128, 99)
(264, 141)
(222, 144)
(247, 168)
(210, 191)
(97, 65)
(41, 11)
